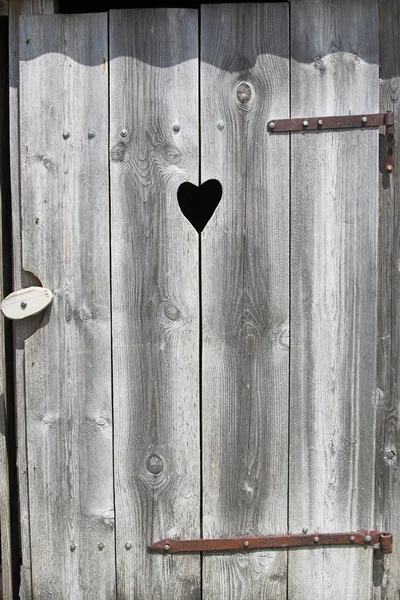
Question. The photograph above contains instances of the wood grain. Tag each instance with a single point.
(24, 329)
(155, 296)
(334, 224)
(65, 242)
(245, 300)
(387, 495)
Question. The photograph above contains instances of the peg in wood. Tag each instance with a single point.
(26, 302)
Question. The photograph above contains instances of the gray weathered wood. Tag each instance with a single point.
(334, 223)
(20, 278)
(65, 243)
(154, 85)
(387, 493)
(6, 587)
(245, 285)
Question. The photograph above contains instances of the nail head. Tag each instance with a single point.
(72, 547)
(246, 544)
(305, 123)
(367, 539)
(364, 119)
(320, 121)
(220, 125)
(128, 545)
(66, 134)
(23, 304)
(166, 547)
(272, 125)
(305, 529)
(100, 546)
(316, 539)
(124, 132)
(352, 539)
(91, 134)
(176, 127)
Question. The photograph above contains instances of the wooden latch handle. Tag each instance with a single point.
(26, 302)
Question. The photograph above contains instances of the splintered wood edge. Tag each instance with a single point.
(26, 302)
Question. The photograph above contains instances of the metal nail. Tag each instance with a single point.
(66, 134)
(389, 168)
(305, 529)
(91, 134)
(364, 119)
(128, 545)
(246, 544)
(305, 123)
(220, 125)
(124, 132)
(316, 539)
(166, 547)
(367, 539)
(272, 125)
(100, 546)
(176, 127)
(352, 538)
(72, 547)
(23, 304)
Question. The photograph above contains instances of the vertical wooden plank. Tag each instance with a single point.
(387, 494)
(23, 329)
(154, 85)
(245, 300)
(334, 223)
(6, 580)
(65, 242)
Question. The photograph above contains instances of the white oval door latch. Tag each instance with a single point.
(26, 302)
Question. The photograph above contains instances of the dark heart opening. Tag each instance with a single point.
(199, 203)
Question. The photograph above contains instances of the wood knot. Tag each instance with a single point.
(172, 312)
(84, 315)
(243, 93)
(118, 152)
(154, 464)
(171, 154)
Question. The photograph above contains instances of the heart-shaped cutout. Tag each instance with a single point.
(199, 203)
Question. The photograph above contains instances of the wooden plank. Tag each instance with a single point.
(334, 224)
(65, 242)
(20, 278)
(245, 283)
(6, 575)
(155, 290)
(387, 494)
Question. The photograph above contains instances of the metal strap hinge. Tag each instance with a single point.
(356, 538)
(342, 122)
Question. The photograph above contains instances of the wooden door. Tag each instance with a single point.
(160, 395)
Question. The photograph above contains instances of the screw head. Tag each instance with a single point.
(66, 134)
(124, 133)
(320, 121)
(23, 304)
(272, 125)
(220, 125)
(364, 120)
(316, 540)
(367, 539)
(100, 546)
(72, 547)
(305, 123)
(91, 134)
(389, 168)
(176, 127)
(246, 544)
(128, 546)
(305, 529)
(166, 547)
(352, 539)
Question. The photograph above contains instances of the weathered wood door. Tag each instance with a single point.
(160, 395)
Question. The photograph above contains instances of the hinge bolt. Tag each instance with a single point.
(320, 121)
(389, 168)
(246, 544)
(305, 123)
(272, 126)
(367, 539)
(352, 539)
(124, 132)
(316, 539)
(167, 547)
(364, 119)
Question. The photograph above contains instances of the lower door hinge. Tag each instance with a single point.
(342, 122)
(356, 538)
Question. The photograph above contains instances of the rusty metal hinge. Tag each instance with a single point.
(356, 538)
(342, 122)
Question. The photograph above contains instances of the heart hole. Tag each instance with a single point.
(198, 204)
